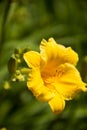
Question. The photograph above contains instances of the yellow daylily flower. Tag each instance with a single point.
(53, 77)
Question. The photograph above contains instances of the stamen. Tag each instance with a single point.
(59, 71)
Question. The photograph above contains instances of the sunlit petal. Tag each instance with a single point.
(69, 81)
(32, 59)
(54, 54)
(71, 56)
(51, 53)
(36, 85)
(57, 103)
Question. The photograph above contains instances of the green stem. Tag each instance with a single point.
(8, 3)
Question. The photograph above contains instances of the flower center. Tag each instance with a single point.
(51, 76)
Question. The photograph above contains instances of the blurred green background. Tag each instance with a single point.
(23, 23)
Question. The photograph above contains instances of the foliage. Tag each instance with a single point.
(23, 24)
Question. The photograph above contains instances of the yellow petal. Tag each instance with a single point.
(54, 54)
(36, 85)
(71, 56)
(57, 103)
(32, 59)
(35, 82)
(51, 53)
(69, 82)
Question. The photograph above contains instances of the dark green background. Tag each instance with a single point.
(23, 23)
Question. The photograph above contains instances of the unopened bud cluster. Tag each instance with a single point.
(16, 65)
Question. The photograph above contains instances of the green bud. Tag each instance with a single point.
(12, 65)
(25, 70)
(85, 59)
(20, 77)
(6, 85)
